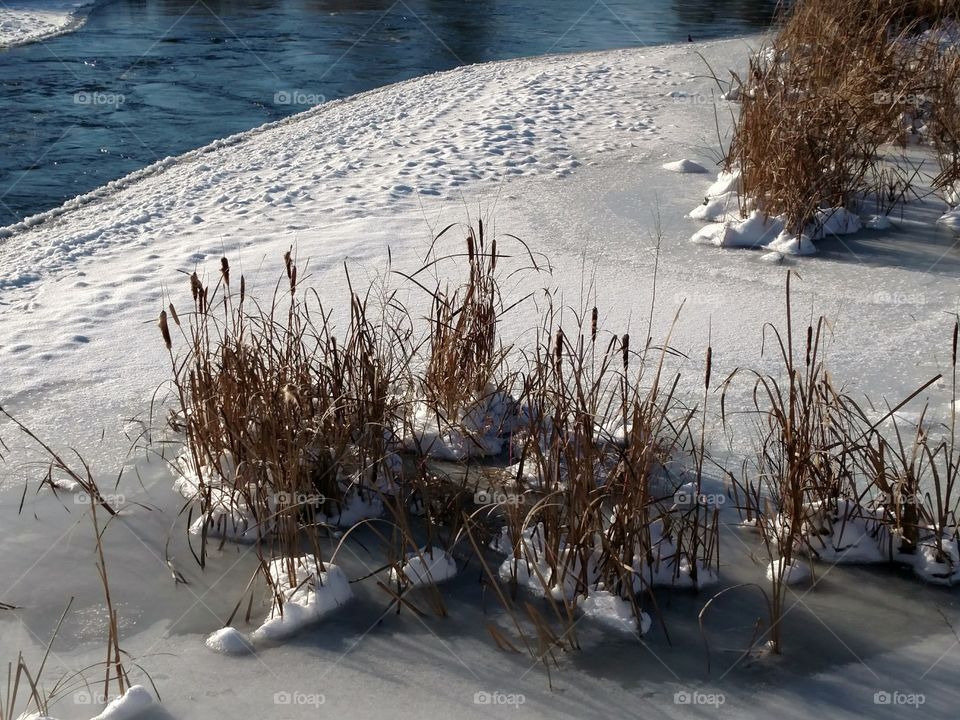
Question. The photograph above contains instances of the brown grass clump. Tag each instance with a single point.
(820, 106)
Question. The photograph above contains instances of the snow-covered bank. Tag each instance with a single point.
(26, 21)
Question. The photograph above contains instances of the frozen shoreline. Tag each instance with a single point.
(27, 21)
(567, 153)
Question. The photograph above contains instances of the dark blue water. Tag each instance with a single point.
(144, 79)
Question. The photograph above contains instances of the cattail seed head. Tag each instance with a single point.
(593, 325)
(165, 330)
(956, 328)
(173, 314)
(625, 343)
(706, 375)
(225, 270)
(195, 286)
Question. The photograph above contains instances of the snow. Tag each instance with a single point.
(935, 564)
(757, 230)
(792, 573)
(356, 506)
(877, 222)
(951, 220)
(726, 228)
(229, 641)
(684, 166)
(718, 208)
(136, 700)
(614, 612)
(475, 432)
(25, 21)
(427, 567)
(309, 597)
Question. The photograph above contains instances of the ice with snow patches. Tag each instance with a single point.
(309, 595)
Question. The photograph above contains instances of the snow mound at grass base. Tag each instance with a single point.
(614, 612)
(229, 641)
(684, 166)
(132, 703)
(308, 597)
(427, 567)
(794, 574)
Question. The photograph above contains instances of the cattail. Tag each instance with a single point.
(293, 280)
(493, 254)
(593, 325)
(225, 270)
(558, 350)
(165, 330)
(625, 342)
(706, 376)
(173, 314)
(195, 286)
(288, 263)
(809, 343)
(956, 327)
(243, 288)
(470, 254)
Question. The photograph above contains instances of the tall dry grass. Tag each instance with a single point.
(841, 83)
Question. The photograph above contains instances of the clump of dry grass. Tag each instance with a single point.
(463, 350)
(827, 480)
(272, 403)
(286, 422)
(820, 106)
